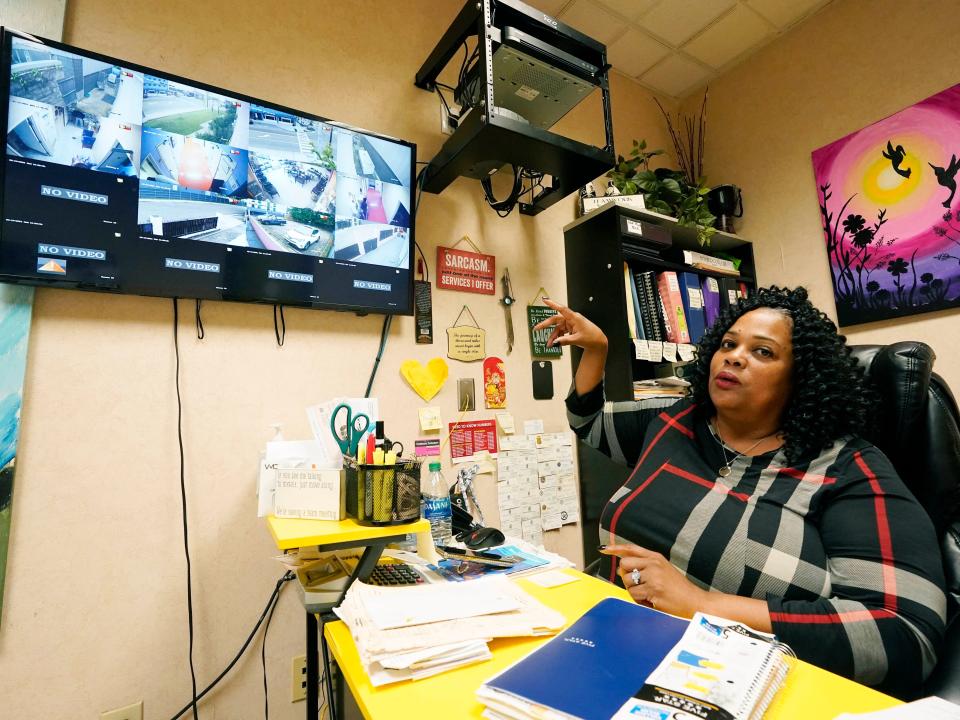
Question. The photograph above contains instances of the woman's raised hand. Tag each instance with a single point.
(572, 328)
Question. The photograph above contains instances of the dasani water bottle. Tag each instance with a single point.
(435, 498)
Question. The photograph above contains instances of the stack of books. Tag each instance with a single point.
(413, 632)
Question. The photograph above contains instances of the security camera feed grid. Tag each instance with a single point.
(101, 157)
(72, 110)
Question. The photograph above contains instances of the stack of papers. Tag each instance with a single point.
(665, 387)
(409, 633)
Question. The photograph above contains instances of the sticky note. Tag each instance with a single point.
(429, 418)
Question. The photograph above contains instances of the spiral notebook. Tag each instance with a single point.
(720, 670)
(708, 668)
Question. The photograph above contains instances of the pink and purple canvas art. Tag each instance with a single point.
(889, 205)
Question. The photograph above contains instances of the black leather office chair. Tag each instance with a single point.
(918, 428)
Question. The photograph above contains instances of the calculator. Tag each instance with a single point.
(394, 574)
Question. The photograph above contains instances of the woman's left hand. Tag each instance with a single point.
(661, 585)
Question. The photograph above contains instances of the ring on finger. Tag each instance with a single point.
(635, 576)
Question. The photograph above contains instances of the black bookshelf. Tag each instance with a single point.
(596, 247)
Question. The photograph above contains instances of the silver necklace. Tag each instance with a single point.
(725, 469)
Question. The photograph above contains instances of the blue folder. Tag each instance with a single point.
(593, 667)
(693, 305)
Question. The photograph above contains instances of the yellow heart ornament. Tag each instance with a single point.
(425, 381)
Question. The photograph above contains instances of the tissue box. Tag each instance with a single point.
(308, 493)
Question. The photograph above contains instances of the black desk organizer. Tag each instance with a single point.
(383, 494)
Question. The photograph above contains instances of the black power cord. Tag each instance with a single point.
(271, 603)
(376, 363)
(504, 207)
(183, 507)
(275, 598)
(200, 331)
(279, 330)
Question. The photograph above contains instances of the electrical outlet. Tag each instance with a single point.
(298, 687)
(449, 121)
(130, 712)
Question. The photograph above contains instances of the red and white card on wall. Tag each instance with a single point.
(467, 438)
(494, 383)
(465, 271)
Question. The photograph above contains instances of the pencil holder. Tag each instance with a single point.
(383, 494)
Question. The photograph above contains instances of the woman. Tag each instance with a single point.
(755, 500)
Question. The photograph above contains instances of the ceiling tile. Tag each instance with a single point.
(634, 52)
(550, 7)
(675, 75)
(592, 20)
(783, 13)
(735, 33)
(676, 21)
(630, 9)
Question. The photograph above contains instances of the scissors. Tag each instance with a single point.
(355, 428)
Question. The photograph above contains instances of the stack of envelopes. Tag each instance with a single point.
(413, 632)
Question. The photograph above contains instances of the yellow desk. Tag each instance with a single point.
(810, 693)
(290, 533)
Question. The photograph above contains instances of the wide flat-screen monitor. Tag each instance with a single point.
(125, 179)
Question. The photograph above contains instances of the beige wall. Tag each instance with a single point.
(850, 65)
(95, 607)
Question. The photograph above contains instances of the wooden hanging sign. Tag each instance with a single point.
(466, 343)
(466, 271)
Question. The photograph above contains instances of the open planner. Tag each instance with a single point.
(622, 660)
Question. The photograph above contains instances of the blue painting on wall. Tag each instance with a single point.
(16, 303)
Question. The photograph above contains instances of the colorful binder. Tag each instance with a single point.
(668, 285)
(693, 305)
(711, 299)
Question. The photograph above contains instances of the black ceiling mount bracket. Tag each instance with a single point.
(529, 71)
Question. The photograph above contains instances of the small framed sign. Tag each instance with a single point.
(466, 343)
(538, 338)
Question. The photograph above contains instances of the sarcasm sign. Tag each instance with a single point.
(465, 271)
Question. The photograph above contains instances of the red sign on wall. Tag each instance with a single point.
(466, 438)
(465, 271)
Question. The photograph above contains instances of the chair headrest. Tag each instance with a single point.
(918, 424)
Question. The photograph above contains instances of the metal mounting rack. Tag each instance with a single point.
(489, 135)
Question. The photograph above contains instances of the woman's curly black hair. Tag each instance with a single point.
(830, 398)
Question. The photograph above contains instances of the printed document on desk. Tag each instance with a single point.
(720, 670)
(425, 604)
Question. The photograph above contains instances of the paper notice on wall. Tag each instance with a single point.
(467, 438)
(532, 427)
